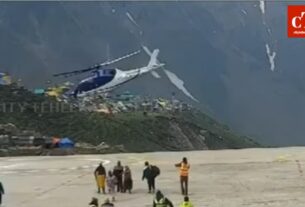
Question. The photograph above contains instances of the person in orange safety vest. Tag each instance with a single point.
(184, 175)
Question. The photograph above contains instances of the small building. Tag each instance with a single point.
(4, 141)
(22, 140)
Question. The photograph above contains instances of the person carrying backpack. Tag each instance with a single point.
(150, 173)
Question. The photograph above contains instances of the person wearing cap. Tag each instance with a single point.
(161, 201)
(186, 202)
(100, 176)
(184, 175)
(107, 203)
(1, 192)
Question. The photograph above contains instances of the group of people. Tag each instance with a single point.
(121, 177)
(120, 180)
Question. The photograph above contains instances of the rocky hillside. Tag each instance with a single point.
(136, 131)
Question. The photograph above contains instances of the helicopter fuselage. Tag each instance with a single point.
(105, 80)
(102, 81)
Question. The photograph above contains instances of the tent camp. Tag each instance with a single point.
(5, 79)
(66, 143)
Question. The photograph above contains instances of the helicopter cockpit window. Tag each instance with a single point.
(110, 72)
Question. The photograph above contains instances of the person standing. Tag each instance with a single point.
(100, 176)
(186, 202)
(184, 175)
(127, 180)
(118, 172)
(161, 201)
(1, 192)
(150, 173)
(111, 182)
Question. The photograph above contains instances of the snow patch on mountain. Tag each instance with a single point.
(271, 56)
(262, 6)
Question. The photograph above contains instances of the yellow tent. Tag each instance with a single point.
(5, 79)
(56, 91)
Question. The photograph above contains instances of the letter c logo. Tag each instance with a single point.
(296, 21)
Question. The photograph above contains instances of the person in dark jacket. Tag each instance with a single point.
(118, 173)
(161, 201)
(100, 176)
(127, 180)
(1, 192)
(150, 173)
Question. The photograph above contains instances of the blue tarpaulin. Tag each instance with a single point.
(39, 91)
(66, 143)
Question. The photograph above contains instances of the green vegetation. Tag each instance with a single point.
(136, 131)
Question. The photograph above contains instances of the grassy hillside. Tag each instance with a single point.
(137, 132)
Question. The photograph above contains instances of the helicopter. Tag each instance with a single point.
(104, 80)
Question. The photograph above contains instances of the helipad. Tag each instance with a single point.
(230, 178)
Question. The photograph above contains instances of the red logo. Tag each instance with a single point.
(296, 21)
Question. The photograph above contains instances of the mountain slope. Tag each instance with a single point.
(219, 49)
(137, 132)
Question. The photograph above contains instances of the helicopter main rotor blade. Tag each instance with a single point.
(76, 72)
(119, 59)
(97, 66)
